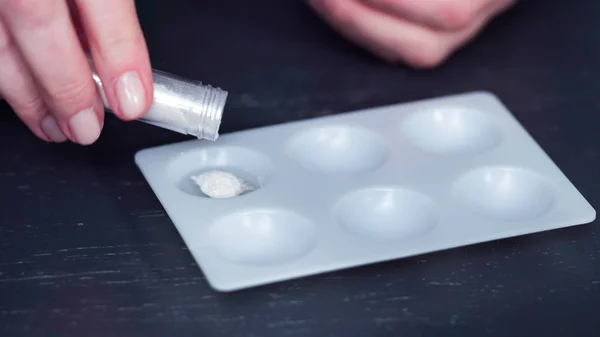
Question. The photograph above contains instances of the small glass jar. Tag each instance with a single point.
(181, 105)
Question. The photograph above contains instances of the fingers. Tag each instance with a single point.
(48, 43)
(78, 25)
(389, 37)
(120, 55)
(45, 69)
(397, 38)
(18, 88)
(437, 14)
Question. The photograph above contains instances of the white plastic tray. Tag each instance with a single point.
(362, 187)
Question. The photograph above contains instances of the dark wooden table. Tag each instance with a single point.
(87, 250)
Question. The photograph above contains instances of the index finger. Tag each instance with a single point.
(118, 50)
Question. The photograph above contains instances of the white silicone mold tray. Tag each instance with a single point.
(363, 187)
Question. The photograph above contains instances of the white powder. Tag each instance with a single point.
(220, 184)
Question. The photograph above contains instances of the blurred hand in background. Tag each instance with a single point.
(420, 33)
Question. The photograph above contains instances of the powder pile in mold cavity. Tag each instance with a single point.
(220, 184)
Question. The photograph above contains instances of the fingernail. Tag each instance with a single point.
(85, 127)
(131, 95)
(52, 130)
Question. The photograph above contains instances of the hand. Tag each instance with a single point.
(45, 75)
(421, 33)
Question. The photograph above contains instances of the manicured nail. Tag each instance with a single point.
(131, 95)
(52, 130)
(85, 127)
